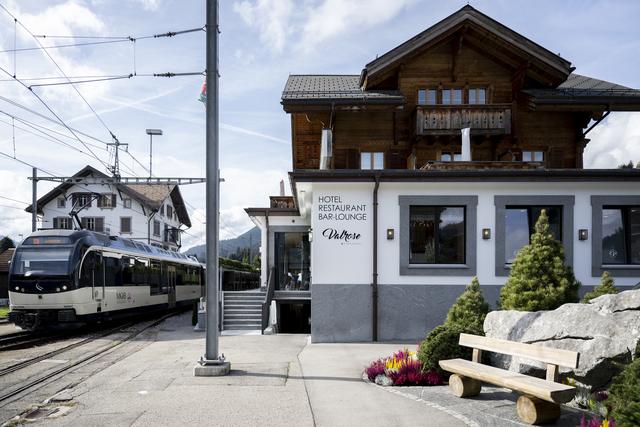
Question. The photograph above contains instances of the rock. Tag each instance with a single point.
(383, 380)
(605, 331)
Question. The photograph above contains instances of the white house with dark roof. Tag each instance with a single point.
(155, 214)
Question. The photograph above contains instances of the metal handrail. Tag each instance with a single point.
(268, 298)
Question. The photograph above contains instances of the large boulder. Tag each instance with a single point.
(605, 332)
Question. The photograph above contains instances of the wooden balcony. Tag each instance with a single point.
(490, 119)
(281, 202)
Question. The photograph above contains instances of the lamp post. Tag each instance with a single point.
(152, 132)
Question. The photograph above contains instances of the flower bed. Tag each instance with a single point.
(402, 369)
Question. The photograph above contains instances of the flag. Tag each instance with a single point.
(203, 92)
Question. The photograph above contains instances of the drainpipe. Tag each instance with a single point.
(266, 250)
(374, 285)
(149, 227)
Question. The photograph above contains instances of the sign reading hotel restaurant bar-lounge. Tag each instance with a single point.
(339, 215)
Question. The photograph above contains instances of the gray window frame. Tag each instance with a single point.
(597, 268)
(470, 204)
(501, 203)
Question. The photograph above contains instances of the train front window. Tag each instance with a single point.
(41, 262)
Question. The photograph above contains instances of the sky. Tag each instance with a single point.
(261, 43)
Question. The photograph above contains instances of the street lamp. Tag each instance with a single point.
(152, 132)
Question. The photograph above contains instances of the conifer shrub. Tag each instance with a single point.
(469, 310)
(605, 287)
(442, 344)
(466, 315)
(624, 396)
(539, 279)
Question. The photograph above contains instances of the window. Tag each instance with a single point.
(452, 96)
(93, 223)
(437, 235)
(162, 210)
(292, 260)
(125, 224)
(520, 223)
(533, 156)
(621, 235)
(516, 216)
(62, 202)
(477, 95)
(447, 156)
(126, 203)
(156, 227)
(107, 201)
(169, 212)
(427, 97)
(62, 222)
(155, 270)
(370, 160)
(81, 200)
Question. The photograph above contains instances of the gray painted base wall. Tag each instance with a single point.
(342, 313)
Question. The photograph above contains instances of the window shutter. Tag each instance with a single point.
(113, 200)
(56, 222)
(100, 201)
(99, 224)
(83, 221)
(88, 199)
(68, 227)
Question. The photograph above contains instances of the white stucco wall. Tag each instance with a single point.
(334, 262)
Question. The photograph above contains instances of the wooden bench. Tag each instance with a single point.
(541, 398)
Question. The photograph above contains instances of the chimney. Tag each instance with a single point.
(466, 145)
(282, 188)
(326, 148)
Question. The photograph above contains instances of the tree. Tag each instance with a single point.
(469, 310)
(257, 262)
(539, 279)
(624, 396)
(629, 165)
(6, 243)
(605, 287)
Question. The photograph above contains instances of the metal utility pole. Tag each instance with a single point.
(115, 169)
(34, 200)
(152, 132)
(212, 364)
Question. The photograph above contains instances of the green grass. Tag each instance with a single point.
(4, 312)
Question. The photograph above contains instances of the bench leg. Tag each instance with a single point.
(537, 411)
(464, 386)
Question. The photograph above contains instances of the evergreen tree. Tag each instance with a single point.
(605, 287)
(539, 279)
(6, 243)
(469, 310)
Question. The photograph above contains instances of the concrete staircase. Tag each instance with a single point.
(243, 310)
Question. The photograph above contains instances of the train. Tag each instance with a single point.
(67, 278)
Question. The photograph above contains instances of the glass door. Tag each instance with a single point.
(292, 260)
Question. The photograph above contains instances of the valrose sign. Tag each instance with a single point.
(341, 220)
(332, 209)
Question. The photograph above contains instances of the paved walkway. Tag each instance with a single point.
(277, 380)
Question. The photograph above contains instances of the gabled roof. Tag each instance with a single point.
(337, 89)
(529, 50)
(150, 195)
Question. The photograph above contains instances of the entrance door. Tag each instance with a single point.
(94, 268)
(292, 260)
(171, 283)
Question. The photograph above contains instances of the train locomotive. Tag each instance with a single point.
(64, 278)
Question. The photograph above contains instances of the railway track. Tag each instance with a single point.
(20, 339)
(40, 379)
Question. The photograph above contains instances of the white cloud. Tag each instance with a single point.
(614, 141)
(272, 18)
(150, 5)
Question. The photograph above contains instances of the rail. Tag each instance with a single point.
(268, 298)
(449, 119)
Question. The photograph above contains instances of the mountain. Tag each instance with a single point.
(230, 246)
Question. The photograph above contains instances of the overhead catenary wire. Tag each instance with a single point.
(48, 172)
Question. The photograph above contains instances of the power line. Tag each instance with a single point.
(60, 46)
(27, 164)
(14, 200)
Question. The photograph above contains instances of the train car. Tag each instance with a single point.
(60, 278)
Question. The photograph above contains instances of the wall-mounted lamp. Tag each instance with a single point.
(486, 233)
(390, 233)
(583, 234)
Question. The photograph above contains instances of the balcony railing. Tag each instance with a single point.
(282, 202)
(449, 119)
(172, 235)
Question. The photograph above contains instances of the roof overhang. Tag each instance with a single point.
(548, 64)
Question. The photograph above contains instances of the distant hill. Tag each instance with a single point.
(230, 246)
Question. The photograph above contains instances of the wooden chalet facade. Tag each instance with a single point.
(387, 223)
(522, 102)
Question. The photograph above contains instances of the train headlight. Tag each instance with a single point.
(57, 289)
(22, 289)
(64, 287)
(17, 288)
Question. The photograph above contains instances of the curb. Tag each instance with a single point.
(448, 411)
